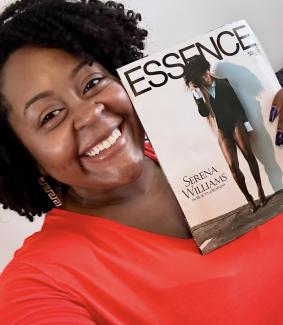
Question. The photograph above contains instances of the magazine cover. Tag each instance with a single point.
(205, 106)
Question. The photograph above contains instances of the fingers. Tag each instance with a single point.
(278, 99)
(277, 111)
(279, 134)
(192, 86)
(279, 138)
(273, 113)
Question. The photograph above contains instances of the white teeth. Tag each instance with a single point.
(111, 139)
(100, 147)
(116, 133)
(105, 144)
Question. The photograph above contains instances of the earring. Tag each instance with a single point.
(54, 197)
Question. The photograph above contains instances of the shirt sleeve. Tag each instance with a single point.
(203, 109)
(33, 299)
(197, 93)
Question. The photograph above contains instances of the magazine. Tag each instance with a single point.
(205, 106)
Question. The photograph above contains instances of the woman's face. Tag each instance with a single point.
(74, 117)
(206, 79)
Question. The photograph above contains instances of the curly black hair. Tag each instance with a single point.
(87, 28)
(195, 68)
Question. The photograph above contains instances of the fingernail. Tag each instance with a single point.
(279, 138)
(273, 113)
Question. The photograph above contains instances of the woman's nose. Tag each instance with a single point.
(87, 113)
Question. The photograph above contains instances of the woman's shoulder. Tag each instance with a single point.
(222, 81)
(46, 264)
(51, 245)
(149, 151)
(35, 287)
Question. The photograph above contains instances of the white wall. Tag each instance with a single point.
(173, 21)
(13, 230)
(169, 22)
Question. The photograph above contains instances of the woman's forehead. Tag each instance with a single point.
(33, 69)
(33, 58)
(40, 63)
(29, 70)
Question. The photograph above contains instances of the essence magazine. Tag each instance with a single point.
(205, 106)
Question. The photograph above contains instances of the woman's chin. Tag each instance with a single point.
(127, 174)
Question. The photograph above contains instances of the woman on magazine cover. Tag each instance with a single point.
(115, 247)
(217, 101)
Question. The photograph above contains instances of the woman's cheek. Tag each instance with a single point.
(56, 152)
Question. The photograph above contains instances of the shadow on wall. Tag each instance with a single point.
(248, 87)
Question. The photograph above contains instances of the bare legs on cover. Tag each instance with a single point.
(228, 144)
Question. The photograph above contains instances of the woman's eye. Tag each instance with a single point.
(92, 83)
(48, 117)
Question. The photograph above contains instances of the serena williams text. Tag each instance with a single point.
(203, 183)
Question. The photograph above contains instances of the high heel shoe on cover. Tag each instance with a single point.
(252, 205)
(262, 198)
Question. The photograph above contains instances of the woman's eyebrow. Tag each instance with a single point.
(77, 68)
(36, 98)
(50, 93)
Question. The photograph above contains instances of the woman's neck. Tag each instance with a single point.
(148, 204)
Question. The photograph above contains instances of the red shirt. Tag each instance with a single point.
(82, 269)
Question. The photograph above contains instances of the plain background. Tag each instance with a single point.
(170, 22)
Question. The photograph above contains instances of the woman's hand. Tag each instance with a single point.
(277, 110)
(192, 87)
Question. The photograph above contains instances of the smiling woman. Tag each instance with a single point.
(57, 25)
(83, 105)
(114, 247)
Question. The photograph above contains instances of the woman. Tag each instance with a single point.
(72, 146)
(218, 102)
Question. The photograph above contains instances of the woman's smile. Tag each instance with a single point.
(104, 145)
(106, 149)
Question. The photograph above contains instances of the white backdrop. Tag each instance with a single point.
(170, 22)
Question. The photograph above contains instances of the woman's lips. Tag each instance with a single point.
(104, 144)
(107, 147)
